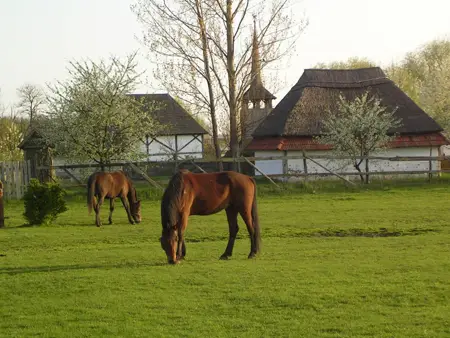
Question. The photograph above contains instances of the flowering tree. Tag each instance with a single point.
(93, 118)
(358, 128)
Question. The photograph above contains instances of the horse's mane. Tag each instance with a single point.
(170, 203)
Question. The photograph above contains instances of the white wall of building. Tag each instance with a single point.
(162, 148)
(269, 167)
(296, 165)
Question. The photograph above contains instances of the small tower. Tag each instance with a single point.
(257, 100)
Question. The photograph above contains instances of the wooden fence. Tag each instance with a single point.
(15, 177)
(197, 164)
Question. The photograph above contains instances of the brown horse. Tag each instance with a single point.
(205, 194)
(110, 185)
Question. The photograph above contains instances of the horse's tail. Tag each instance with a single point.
(255, 219)
(172, 201)
(91, 192)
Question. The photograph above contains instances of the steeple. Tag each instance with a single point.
(256, 92)
(252, 112)
(256, 62)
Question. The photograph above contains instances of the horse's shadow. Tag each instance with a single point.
(55, 268)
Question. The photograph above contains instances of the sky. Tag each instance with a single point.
(39, 38)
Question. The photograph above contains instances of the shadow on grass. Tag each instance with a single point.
(357, 232)
(25, 225)
(70, 224)
(21, 270)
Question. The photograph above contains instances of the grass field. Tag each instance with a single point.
(335, 263)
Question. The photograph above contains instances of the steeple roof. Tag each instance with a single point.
(257, 90)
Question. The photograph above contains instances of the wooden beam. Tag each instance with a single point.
(73, 176)
(372, 173)
(198, 167)
(192, 140)
(262, 173)
(335, 174)
(305, 165)
(144, 175)
(202, 160)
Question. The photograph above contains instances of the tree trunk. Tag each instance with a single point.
(212, 103)
(361, 176)
(232, 83)
(367, 171)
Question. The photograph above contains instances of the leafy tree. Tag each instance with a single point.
(350, 63)
(424, 75)
(12, 129)
(358, 128)
(93, 118)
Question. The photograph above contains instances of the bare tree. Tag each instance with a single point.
(202, 49)
(31, 101)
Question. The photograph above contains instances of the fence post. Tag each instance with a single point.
(367, 171)
(2, 213)
(430, 166)
(305, 166)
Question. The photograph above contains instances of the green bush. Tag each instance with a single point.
(43, 202)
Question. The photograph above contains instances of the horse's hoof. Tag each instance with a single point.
(174, 262)
(251, 255)
(223, 257)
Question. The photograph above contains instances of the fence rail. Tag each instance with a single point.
(343, 174)
(245, 159)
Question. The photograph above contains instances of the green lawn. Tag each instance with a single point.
(335, 263)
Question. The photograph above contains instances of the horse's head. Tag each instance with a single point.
(136, 211)
(169, 240)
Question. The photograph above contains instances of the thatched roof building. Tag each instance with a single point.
(172, 115)
(298, 117)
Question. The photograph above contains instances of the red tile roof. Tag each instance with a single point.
(308, 143)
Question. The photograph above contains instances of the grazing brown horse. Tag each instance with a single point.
(205, 194)
(110, 185)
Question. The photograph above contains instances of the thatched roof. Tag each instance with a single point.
(172, 115)
(301, 111)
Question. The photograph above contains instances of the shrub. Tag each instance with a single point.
(43, 202)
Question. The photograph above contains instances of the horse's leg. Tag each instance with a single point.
(233, 228)
(126, 205)
(101, 199)
(111, 209)
(95, 206)
(246, 214)
(181, 248)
